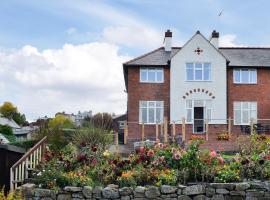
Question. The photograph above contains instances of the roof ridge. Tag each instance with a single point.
(146, 54)
(244, 47)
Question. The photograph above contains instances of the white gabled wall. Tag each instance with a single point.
(217, 86)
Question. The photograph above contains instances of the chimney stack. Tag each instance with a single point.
(214, 40)
(168, 40)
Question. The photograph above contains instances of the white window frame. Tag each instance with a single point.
(155, 111)
(244, 109)
(147, 69)
(249, 75)
(206, 109)
(202, 69)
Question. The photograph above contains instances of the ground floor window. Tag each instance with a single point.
(244, 111)
(151, 112)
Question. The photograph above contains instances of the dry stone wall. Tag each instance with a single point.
(212, 191)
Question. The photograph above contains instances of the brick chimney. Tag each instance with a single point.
(215, 39)
(168, 40)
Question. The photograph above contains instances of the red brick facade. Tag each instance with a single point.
(259, 92)
(137, 91)
(145, 91)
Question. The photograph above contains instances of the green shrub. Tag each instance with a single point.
(11, 138)
(7, 130)
(93, 136)
(26, 144)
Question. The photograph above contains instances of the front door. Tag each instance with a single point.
(198, 125)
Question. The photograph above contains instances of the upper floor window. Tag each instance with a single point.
(198, 71)
(151, 75)
(245, 76)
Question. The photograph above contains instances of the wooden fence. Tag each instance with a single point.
(19, 171)
(161, 129)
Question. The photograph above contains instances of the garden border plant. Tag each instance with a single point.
(88, 163)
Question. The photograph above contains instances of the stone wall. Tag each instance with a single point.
(212, 191)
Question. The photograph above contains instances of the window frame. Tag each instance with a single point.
(207, 109)
(148, 69)
(240, 70)
(148, 107)
(242, 109)
(203, 66)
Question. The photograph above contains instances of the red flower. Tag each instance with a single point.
(141, 149)
(94, 148)
(267, 157)
(150, 153)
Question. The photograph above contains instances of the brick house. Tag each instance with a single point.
(197, 82)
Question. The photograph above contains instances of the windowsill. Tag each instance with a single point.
(150, 123)
(198, 81)
(152, 82)
(245, 83)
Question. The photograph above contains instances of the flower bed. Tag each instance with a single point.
(159, 165)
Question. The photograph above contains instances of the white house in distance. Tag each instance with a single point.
(77, 119)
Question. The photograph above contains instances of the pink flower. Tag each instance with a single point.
(177, 155)
(173, 150)
(213, 153)
(150, 153)
(220, 160)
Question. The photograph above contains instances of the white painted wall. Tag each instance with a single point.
(217, 86)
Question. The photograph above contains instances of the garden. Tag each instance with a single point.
(85, 160)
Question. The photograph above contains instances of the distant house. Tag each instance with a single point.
(76, 119)
(25, 132)
(21, 133)
(9, 122)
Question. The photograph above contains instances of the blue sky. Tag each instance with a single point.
(56, 49)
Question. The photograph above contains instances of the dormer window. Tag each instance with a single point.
(198, 71)
(151, 75)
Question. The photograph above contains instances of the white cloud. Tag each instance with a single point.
(229, 40)
(133, 36)
(72, 78)
(71, 30)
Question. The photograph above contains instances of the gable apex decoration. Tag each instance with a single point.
(199, 33)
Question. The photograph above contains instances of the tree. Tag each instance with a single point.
(60, 121)
(8, 110)
(102, 120)
(20, 119)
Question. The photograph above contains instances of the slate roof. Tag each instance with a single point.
(8, 122)
(156, 57)
(3, 139)
(238, 56)
(254, 57)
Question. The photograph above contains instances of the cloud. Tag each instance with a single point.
(133, 36)
(229, 41)
(72, 78)
(71, 30)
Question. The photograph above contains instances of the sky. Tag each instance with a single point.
(66, 55)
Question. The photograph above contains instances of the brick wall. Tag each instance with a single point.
(259, 92)
(145, 91)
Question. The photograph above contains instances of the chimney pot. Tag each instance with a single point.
(214, 39)
(215, 34)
